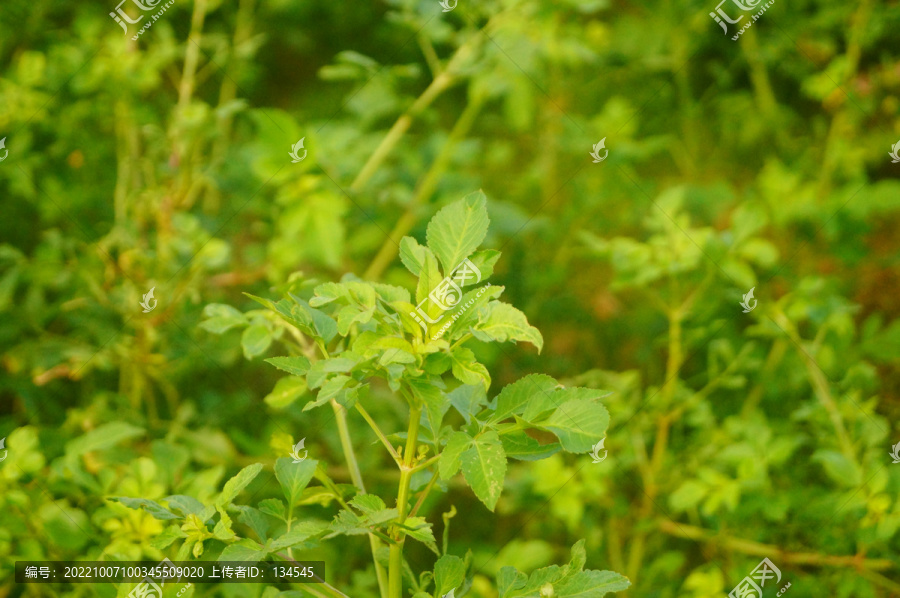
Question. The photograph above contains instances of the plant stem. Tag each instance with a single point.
(395, 572)
(378, 433)
(424, 191)
(340, 416)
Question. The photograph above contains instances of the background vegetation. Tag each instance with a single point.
(758, 163)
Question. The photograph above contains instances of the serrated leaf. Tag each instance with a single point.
(468, 399)
(578, 423)
(235, 485)
(286, 391)
(521, 446)
(296, 365)
(449, 462)
(502, 322)
(508, 580)
(300, 532)
(591, 584)
(274, 507)
(449, 573)
(467, 370)
(457, 230)
(484, 468)
(294, 477)
(188, 505)
(244, 550)
(154, 508)
(412, 255)
(515, 397)
(255, 520)
(436, 403)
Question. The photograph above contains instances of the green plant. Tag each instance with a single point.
(352, 340)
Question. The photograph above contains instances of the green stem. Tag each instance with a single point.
(395, 569)
(340, 416)
(379, 433)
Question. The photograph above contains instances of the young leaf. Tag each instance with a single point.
(503, 322)
(294, 477)
(436, 403)
(521, 446)
(484, 468)
(458, 229)
(412, 255)
(235, 485)
(154, 508)
(467, 370)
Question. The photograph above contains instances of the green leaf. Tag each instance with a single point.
(467, 370)
(591, 584)
(419, 529)
(515, 397)
(220, 318)
(508, 580)
(245, 550)
(468, 399)
(188, 505)
(255, 520)
(429, 278)
(578, 423)
(449, 573)
(521, 446)
(255, 340)
(448, 464)
(157, 510)
(294, 477)
(102, 437)
(274, 507)
(235, 485)
(839, 468)
(436, 403)
(484, 468)
(296, 365)
(458, 229)
(503, 322)
(300, 532)
(412, 255)
(286, 391)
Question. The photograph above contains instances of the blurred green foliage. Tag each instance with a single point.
(759, 163)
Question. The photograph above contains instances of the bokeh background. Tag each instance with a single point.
(761, 162)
